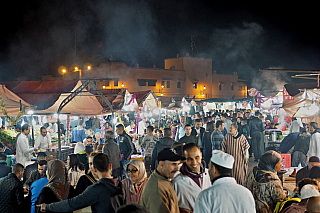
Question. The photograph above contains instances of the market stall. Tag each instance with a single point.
(12, 108)
(58, 99)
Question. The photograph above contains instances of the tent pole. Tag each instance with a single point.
(59, 138)
(32, 127)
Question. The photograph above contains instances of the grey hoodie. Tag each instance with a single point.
(165, 142)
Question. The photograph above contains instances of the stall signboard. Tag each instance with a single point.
(253, 92)
(245, 103)
(286, 96)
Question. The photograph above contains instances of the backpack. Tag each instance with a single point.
(285, 203)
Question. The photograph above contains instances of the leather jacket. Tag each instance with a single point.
(256, 125)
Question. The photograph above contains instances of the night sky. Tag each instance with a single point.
(39, 36)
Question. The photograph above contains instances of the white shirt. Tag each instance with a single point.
(227, 124)
(314, 146)
(225, 195)
(42, 142)
(141, 127)
(180, 132)
(23, 150)
(187, 190)
(128, 128)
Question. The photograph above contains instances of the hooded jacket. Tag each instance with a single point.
(165, 142)
(266, 188)
(100, 196)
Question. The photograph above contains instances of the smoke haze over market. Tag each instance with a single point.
(39, 36)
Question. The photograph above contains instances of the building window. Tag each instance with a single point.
(232, 87)
(162, 84)
(116, 82)
(195, 85)
(220, 86)
(168, 84)
(152, 83)
(240, 87)
(142, 82)
(179, 84)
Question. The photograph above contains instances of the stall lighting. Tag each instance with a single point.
(30, 112)
(161, 94)
(103, 87)
(204, 87)
(122, 85)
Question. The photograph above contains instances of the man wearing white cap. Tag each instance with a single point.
(225, 195)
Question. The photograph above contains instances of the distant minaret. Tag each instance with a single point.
(193, 45)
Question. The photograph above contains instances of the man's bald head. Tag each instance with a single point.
(313, 205)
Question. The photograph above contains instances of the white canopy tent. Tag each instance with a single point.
(305, 104)
(84, 104)
(11, 102)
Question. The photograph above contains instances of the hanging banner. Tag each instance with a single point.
(68, 123)
(286, 96)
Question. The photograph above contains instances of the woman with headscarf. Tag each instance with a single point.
(264, 182)
(58, 187)
(134, 185)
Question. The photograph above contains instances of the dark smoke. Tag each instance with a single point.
(66, 32)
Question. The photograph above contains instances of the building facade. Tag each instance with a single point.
(181, 77)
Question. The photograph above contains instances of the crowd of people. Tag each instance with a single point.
(197, 164)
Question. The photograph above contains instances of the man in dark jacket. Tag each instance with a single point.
(4, 169)
(126, 148)
(197, 132)
(310, 171)
(256, 128)
(165, 142)
(37, 174)
(300, 149)
(188, 137)
(103, 196)
(33, 167)
(112, 150)
(11, 188)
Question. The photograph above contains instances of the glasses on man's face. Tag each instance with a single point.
(132, 171)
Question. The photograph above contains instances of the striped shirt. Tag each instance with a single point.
(237, 146)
